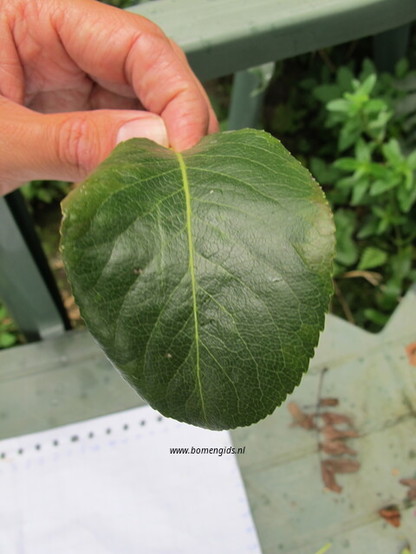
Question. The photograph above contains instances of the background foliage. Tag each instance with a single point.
(354, 127)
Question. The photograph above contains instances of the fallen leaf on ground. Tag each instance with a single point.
(328, 401)
(328, 477)
(300, 417)
(411, 353)
(337, 447)
(411, 492)
(391, 514)
(333, 419)
(408, 483)
(331, 433)
(342, 466)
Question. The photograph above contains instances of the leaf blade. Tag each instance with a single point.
(204, 275)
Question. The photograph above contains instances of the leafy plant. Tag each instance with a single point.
(377, 177)
(363, 153)
(204, 275)
(8, 332)
(45, 191)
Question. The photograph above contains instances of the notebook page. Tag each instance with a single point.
(113, 485)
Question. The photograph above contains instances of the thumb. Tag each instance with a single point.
(65, 146)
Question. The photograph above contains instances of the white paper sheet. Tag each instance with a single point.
(110, 485)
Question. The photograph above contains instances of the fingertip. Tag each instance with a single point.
(214, 125)
(151, 127)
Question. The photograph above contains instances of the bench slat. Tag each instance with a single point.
(224, 36)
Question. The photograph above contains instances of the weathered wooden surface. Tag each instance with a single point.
(65, 380)
(224, 36)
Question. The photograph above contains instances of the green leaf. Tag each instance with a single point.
(347, 164)
(379, 170)
(377, 127)
(372, 257)
(338, 105)
(369, 228)
(376, 317)
(401, 263)
(363, 151)
(392, 152)
(367, 86)
(359, 191)
(323, 172)
(382, 185)
(406, 198)
(7, 339)
(346, 251)
(349, 135)
(368, 68)
(204, 275)
(326, 93)
(324, 549)
(344, 77)
(402, 67)
(375, 105)
(411, 160)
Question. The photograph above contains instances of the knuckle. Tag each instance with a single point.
(75, 144)
(152, 46)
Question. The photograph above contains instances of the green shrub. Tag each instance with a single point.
(371, 174)
(8, 332)
(356, 131)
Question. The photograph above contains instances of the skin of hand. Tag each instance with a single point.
(77, 77)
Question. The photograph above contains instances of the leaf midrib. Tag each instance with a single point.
(191, 254)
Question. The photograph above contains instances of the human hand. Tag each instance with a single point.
(77, 77)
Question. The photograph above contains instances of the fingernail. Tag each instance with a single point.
(151, 128)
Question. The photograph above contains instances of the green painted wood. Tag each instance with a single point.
(224, 36)
(249, 87)
(22, 287)
(57, 381)
(391, 46)
(375, 383)
(68, 379)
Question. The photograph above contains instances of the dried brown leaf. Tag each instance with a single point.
(330, 418)
(342, 465)
(408, 483)
(411, 353)
(300, 417)
(328, 401)
(331, 433)
(411, 494)
(371, 276)
(328, 478)
(337, 447)
(391, 514)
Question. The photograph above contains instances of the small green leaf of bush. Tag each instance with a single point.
(338, 105)
(372, 257)
(7, 339)
(346, 251)
(204, 275)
